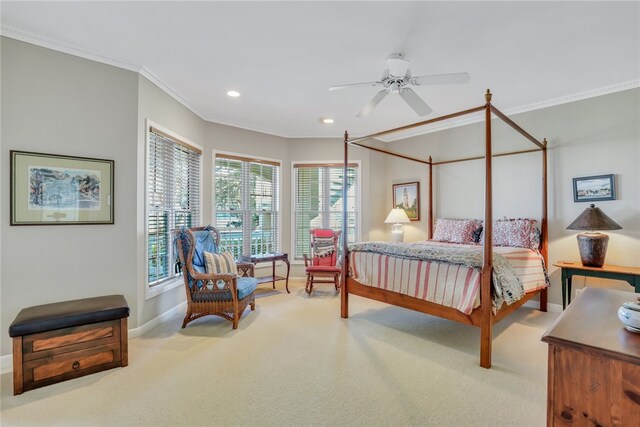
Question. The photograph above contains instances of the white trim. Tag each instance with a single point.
(293, 259)
(86, 53)
(114, 61)
(146, 327)
(153, 291)
(213, 187)
(160, 288)
(551, 308)
(6, 361)
(67, 48)
(479, 117)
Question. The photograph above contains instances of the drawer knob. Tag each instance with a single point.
(75, 365)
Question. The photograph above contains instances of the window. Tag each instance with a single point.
(247, 204)
(318, 200)
(173, 198)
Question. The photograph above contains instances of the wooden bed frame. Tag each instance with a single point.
(483, 316)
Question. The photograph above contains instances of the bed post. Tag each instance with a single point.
(430, 228)
(344, 295)
(487, 265)
(544, 226)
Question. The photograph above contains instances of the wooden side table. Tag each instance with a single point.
(616, 272)
(272, 258)
(594, 364)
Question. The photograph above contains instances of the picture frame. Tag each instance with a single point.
(407, 196)
(52, 189)
(594, 188)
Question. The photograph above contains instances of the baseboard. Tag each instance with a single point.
(136, 332)
(553, 308)
(6, 361)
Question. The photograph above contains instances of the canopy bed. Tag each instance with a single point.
(482, 264)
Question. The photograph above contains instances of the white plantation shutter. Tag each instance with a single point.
(247, 204)
(318, 201)
(173, 199)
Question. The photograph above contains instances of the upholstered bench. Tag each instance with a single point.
(64, 340)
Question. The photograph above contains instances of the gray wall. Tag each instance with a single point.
(57, 103)
(61, 104)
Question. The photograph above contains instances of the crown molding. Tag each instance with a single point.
(618, 87)
(85, 53)
(68, 48)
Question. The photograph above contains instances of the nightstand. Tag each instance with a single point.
(616, 272)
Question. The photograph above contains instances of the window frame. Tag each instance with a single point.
(214, 209)
(322, 163)
(171, 282)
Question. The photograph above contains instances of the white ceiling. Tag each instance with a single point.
(283, 56)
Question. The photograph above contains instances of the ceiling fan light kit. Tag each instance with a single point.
(395, 80)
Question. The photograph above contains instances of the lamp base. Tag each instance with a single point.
(593, 248)
(397, 233)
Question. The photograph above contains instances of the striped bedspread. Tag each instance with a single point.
(451, 284)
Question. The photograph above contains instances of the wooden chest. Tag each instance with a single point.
(84, 346)
(594, 364)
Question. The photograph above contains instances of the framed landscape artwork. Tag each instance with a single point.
(49, 189)
(407, 196)
(594, 188)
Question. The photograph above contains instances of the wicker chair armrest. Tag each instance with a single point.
(230, 280)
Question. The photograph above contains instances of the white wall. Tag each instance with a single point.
(595, 136)
(61, 104)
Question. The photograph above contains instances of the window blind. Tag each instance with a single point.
(318, 201)
(173, 199)
(247, 204)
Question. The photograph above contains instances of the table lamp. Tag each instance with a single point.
(397, 217)
(593, 245)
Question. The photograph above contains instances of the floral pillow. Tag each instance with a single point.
(455, 230)
(516, 232)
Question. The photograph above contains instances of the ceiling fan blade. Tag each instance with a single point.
(354, 84)
(415, 102)
(441, 79)
(366, 110)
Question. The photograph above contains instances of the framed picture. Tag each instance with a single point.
(407, 197)
(594, 188)
(48, 189)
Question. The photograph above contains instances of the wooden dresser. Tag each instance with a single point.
(594, 364)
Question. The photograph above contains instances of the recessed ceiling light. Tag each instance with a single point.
(327, 121)
(233, 93)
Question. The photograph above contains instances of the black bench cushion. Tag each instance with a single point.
(47, 317)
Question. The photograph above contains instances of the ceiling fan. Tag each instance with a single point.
(397, 77)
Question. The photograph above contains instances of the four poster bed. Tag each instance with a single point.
(460, 282)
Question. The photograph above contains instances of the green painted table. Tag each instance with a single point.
(616, 272)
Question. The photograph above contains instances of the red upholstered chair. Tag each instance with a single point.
(322, 267)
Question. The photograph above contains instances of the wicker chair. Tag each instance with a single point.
(322, 266)
(224, 295)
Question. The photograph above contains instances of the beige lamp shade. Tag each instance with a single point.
(397, 216)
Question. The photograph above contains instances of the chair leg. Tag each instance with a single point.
(186, 319)
(336, 280)
(307, 287)
(253, 305)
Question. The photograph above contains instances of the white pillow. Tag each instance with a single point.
(220, 263)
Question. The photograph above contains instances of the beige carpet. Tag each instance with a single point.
(295, 362)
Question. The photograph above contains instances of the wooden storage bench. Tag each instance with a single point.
(60, 341)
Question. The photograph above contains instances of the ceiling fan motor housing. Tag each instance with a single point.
(397, 65)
